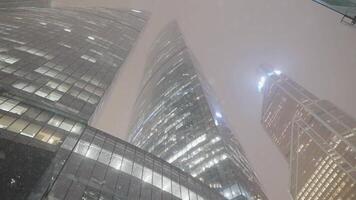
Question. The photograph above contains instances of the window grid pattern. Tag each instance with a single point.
(65, 58)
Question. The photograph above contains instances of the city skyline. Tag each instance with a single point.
(230, 40)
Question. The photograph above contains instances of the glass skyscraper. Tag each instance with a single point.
(55, 66)
(25, 3)
(317, 139)
(177, 119)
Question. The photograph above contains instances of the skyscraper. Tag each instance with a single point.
(317, 139)
(177, 119)
(55, 66)
(25, 3)
(64, 59)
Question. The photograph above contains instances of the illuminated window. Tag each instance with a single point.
(157, 179)
(8, 105)
(104, 157)
(78, 128)
(185, 195)
(147, 175)
(18, 126)
(5, 121)
(19, 109)
(167, 184)
(55, 121)
(43, 92)
(175, 189)
(44, 134)
(116, 161)
(137, 170)
(31, 130)
(54, 96)
(52, 84)
(57, 138)
(30, 88)
(126, 166)
(93, 152)
(67, 125)
(64, 87)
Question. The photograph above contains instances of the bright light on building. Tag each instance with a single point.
(261, 83)
(67, 30)
(218, 114)
(91, 38)
(137, 11)
(277, 72)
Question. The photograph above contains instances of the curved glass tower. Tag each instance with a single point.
(177, 119)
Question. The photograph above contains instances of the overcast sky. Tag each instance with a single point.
(230, 39)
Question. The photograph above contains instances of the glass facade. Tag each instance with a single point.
(55, 65)
(177, 119)
(317, 138)
(64, 59)
(46, 155)
(344, 7)
(25, 3)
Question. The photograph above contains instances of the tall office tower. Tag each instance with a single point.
(25, 3)
(177, 120)
(57, 63)
(64, 59)
(317, 138)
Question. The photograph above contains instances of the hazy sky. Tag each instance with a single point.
(230, 39)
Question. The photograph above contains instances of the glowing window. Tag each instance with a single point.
(19, 109)
(18, 126)
(44, 134)
(5, 121)
(31, 130)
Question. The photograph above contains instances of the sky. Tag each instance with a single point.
(231, 39)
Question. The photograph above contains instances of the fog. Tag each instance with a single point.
(230, 39)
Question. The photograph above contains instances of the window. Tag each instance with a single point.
(44, 116)
(55, 121)
(166, 184)
(116, 161)
(57, 138)
(78, 128)
(5, 121)
(19, 84)
(157, 180)
(54, 96)
(147, 175)
(67, 125)
(137, 170)
(44, 134)
(19, 109)
(185, 195)
(64, 87)
(105, 156)
(126, 166)
(43, 92)
(52, 84)
(9, 104)
(32, 112)
(18, 126)
(175, 189)
(31, 130)
(30, 88)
